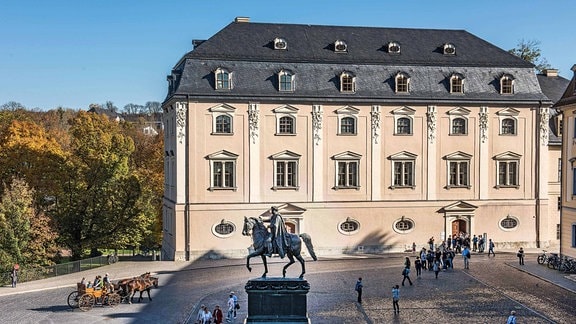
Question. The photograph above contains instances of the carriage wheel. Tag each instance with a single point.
(73, 299)
(113, 299)
(86, 302)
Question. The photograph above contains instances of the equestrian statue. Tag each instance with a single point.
(276, 241)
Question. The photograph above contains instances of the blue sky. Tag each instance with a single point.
(74, 53)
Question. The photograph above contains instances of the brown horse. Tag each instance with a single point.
(140, 284)
(121, 285)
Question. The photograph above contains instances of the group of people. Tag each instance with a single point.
(99, 282)
(205, 316)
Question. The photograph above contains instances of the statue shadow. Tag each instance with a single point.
(375, 242)
(53, 309)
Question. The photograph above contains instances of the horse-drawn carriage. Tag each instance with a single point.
(86, 298)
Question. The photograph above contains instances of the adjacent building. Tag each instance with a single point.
(567, 105)
(368, 139)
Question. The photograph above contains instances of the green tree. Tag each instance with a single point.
(529, 50)
(100, 201)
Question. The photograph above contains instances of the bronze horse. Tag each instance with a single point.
(260, 237)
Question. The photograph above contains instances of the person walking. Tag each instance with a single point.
(466, 257)
(418, 266)
(395, 299)
(358, 289)
(14, 275)
(436, 267)
(474, 243)
(217, 315)
(407, 263)
(520, 256)
(511, 318)
(236, 304)
(230, 305)
(431, 243)
(406, 275)
(491, 248)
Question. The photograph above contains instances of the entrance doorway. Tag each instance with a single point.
(458, 226)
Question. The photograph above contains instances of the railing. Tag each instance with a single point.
(25, 274)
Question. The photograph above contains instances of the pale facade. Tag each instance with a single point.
(568, 219)
(368, 139)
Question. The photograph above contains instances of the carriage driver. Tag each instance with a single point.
(277, 233)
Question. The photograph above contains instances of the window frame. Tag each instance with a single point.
(286, 128)
(505, 88)
(288, 160)
(503, 127)
(283, 112)
(509, 218)
(392, 45)
(222, 83)
(226, 160)
(280, 44)
(346, 178)
(216, 124)
(344, 113)
(347, 82)
(349, 220)
(282, 75)
(464, 126)
(403, 129)
(503, 170)
(449, 49)
(220, 111)
(402, 83)
(403, 220)
(340, 46)
(403, 170)
(456, 84)
(223, 222)
(460, 177)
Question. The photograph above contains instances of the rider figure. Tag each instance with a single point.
(278, 234)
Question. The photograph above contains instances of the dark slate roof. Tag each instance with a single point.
(569, 96)
(310, 43)
(552, 86)
(246, 49)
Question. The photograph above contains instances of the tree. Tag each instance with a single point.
(530, 51)
(12, 106)
(132, 109)
(110, 106)
(100, 201)
(153, 107)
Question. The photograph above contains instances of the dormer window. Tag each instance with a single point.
(402, 83)
(506, 84)
(347, 82)
(223, 79)
(340, 47)
(456, 83)
(449, 49)
(280, 44)
(285, 80)
(394, 48)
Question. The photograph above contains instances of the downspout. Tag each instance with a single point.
(537, 173)
(187, 182)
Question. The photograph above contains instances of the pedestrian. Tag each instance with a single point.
(431, 243)
(395, 299)
(236, 304)
(358, 288)
(200, 315)
(407, 263)
(423, 258)
(418, 266)
(491, 247)
(481, 244)
(406, 275)
(466, 257)
(511, 318)
(14, 275)
(413, 247)
(207, 316)
(230, 305)
(474, 243)
(436, 267)
(520, 256)
(217, 315)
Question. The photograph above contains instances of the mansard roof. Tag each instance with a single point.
(247, 50)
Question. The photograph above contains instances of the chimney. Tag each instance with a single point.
(551, 72)
(242, 19)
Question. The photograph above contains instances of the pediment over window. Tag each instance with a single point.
(404, 111)
(286, 109)
(404, 155)
(508, 112)
(285, 155)
(459, 207)
(347, 110)
(461, 111)
(347, 156)
(507, 156)
(222, 108)
(287, 210)
(458, 156)
(222, 155)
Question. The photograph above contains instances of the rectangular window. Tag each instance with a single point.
(347, 174)
(286, 174)
(285, 82)
(403, 173)
(223, 174)
(508, 173)
(458, 174)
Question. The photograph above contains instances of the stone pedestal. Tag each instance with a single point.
(277, 300)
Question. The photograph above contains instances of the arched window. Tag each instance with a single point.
(508, 126)
(286, 81)
(347, 82)
(286, 125)
(404, 126)
(402, 83)
(348, 125)
(459, 126)
(224, 124)
(456, 84)
(506, 85)
(223, 79)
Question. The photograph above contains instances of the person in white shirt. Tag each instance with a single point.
(230, 308)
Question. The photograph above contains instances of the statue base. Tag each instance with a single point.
(277, 300)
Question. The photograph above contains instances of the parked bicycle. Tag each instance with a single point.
(567, 265)
(112, 258)
(545, 257)
(554, 261)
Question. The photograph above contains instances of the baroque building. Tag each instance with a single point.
(368, 139)
(567, 105)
